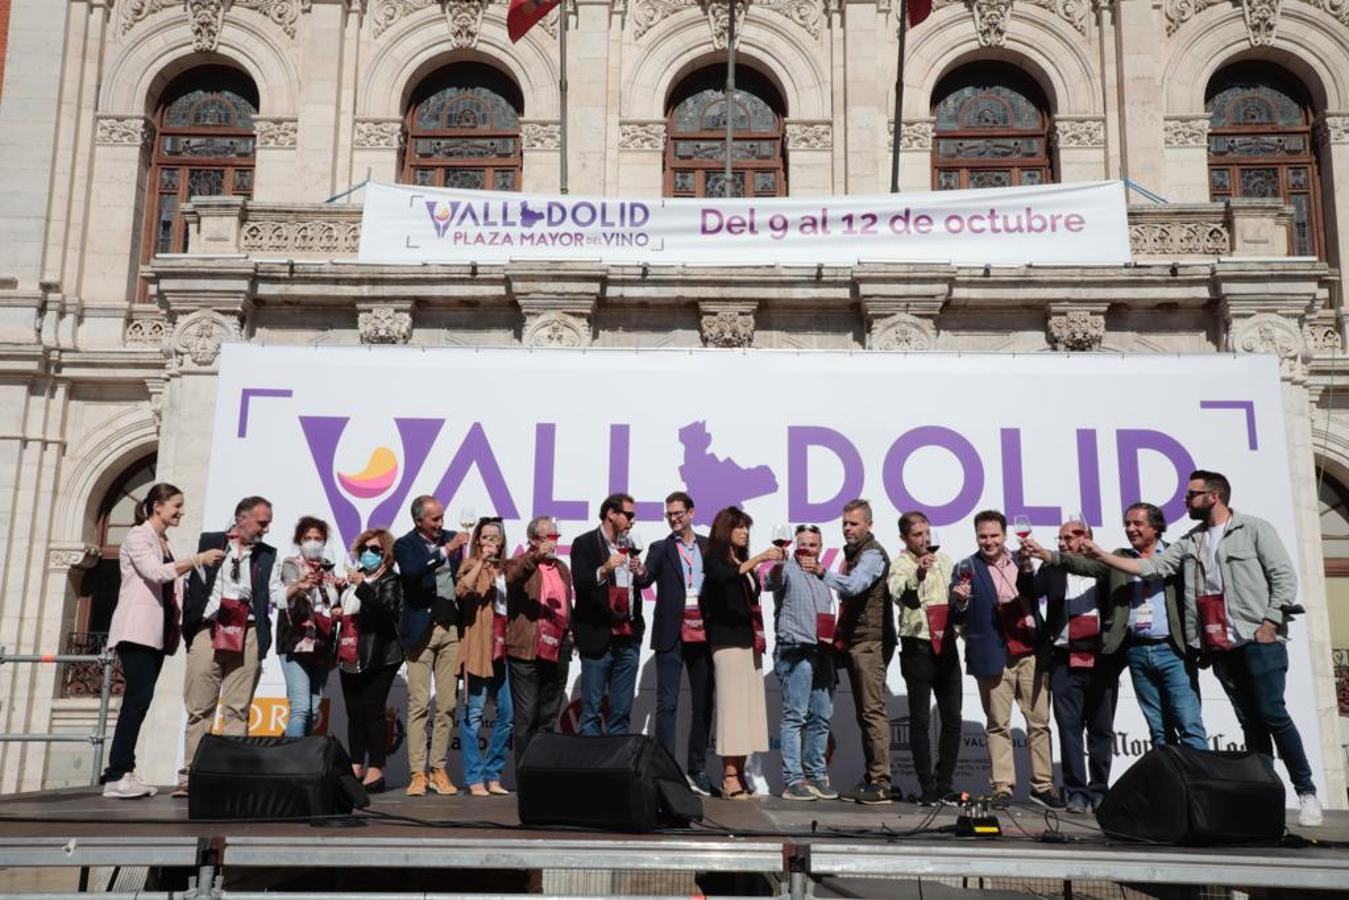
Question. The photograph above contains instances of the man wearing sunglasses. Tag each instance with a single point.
(1083, 680)
(428, 559)
(1240, 590)
(608, 624)
(227, 627)
(675, 566)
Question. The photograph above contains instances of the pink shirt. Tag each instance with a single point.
(1004, 572)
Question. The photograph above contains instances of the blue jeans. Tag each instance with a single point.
(305, 680)
(615, 670)
(1253, 676)
(806, 675)
(1167, 688)
(477, 768)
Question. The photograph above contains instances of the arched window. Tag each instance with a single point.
(992, 129)
(99, 585)
(464, 130)
(695, 153)
(204, 148)
(1260, 145)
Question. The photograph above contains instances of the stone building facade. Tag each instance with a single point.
(167, 163)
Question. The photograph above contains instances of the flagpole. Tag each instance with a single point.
(899, 96)
(562, 92)
(730, 90)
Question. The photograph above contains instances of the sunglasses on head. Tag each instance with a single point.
(490, 520)
(813, 529)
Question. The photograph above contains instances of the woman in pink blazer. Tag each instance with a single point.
(145, 626)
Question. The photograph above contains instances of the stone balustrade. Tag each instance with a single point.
(226, 226)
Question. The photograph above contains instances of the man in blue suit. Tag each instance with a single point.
(428, 557)
(991, 597)
(675, 566)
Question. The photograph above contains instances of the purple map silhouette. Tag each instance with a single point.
(716, 483)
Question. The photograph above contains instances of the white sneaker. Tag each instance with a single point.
(151, 788)
(127, 788)
(1308, 811)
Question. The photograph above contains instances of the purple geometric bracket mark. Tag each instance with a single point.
(248, 394)
(1248, 405)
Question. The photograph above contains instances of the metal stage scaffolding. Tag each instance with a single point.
(788, 849)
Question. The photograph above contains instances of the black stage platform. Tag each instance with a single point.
(796, 847)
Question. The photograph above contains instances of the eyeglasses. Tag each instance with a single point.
(813, 529)
(677, 514)
(1190, 495)
(374, 548)
(628, 514)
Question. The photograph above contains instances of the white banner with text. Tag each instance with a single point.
(1059, 224)
(353, 434)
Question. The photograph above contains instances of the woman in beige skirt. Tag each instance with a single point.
(729, 603)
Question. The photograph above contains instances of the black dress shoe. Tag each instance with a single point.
(375, 787)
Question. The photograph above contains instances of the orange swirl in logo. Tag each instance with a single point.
(377, 477)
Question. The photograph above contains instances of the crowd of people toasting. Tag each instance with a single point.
(1043, 629)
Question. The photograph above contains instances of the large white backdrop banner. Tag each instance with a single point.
(353, 434)
(1074, 223)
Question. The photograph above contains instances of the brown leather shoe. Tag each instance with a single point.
(441, 784)
(418, 786)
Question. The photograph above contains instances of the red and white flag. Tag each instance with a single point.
(525, 14)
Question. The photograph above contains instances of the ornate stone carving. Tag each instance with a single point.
(556, 329)
(1191, 131)
(805, 14)
(1074, 12)
(1262, 20)
(384, 325)
(1178, 12)
(718, 20)
(1270, 333)
(641, 135)
(1179, 239)
(465, 20)
(990, 21)
(912, 136)
(205, 18)
(145, 332)
(124, 131)
(1333, 129)
(277, 133)
(1337, 8)
(198, 336)
(727, 328)
(810, 136)
(648, 13)
(378, 134)
(901, 331)
(1076, 330)
(1322, 337)
(286, 235)
(541, 135)
(388, 12)
(60, 559)
(1079, 132)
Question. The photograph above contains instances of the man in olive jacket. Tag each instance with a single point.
(1241, 583)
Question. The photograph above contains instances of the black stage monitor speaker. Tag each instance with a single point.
(271, 778)
(620, 783)
(1177, 795)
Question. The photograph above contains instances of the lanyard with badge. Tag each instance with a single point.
(691, 629)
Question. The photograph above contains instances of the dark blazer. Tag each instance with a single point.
(985, 644)
(417, 568)
(665, 570)
(592, 620)
(1115, 613)
(199, 589)
(725, 602)
(1051, 582)
(377, 643)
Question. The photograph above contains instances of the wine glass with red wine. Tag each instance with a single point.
(782, 536)
(933, 540)
(1021, 527)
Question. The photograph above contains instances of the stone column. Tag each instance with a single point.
(1080, 141)
(1186, 148)
(541, 144)
(122, 146)
(1140, 33)
(641, 155)
(915, 154)
(375, 145)
(810, 146)
(1075, 326)
(900, 308)
(727, 323)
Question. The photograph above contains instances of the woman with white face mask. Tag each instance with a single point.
(307, 604)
